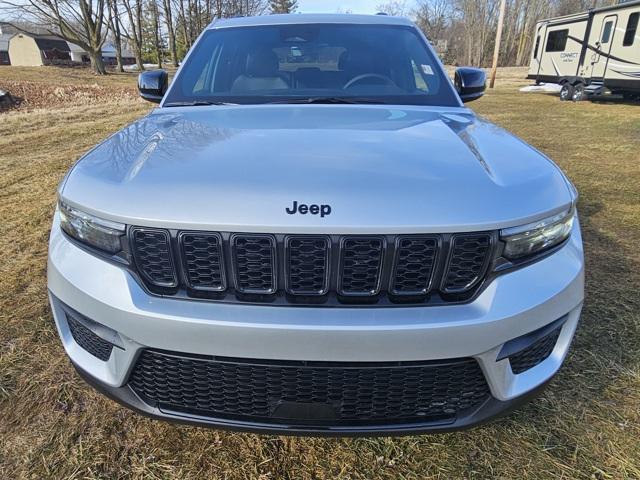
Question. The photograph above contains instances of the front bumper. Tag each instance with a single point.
(512, 306)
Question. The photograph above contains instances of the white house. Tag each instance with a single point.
(108, 54)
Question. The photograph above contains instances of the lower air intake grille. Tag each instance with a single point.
(534, 354)
(88, 340)
(340, 394)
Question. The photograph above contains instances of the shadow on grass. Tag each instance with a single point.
(615, 100)
(9, 102)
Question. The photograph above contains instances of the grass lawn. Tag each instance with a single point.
(585, 425)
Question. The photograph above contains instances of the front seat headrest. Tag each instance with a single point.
(263, 63)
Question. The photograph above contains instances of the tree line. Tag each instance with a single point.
(162, 31)
(465, 30)
(155, 31)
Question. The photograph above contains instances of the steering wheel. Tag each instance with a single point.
(366, 76)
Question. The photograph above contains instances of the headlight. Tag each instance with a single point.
(538, 236)
(93, 231)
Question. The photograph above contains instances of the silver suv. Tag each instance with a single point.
(312, 234)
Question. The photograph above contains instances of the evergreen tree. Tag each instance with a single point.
(283, 6)
(153, 44)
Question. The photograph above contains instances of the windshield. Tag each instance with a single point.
(315, 63)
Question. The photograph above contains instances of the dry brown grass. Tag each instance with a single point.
(67, 76)
(586, 425)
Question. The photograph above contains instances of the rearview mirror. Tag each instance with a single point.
(153, 85)
(470, 83)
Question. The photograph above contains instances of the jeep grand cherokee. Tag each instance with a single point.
(312, 234)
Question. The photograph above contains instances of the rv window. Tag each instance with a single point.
(632, 28)
(606, 33)
(535, 52)
(557, 41)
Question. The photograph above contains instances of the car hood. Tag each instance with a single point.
(379, 168)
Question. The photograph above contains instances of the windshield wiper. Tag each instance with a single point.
(329, 100)
(197, 103)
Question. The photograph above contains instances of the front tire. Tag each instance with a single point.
(566, 93)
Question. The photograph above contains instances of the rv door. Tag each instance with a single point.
(600, 58)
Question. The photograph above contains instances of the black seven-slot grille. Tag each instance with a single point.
(313, 269)
(309, 392)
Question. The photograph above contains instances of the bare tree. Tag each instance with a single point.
(168, 17)
(183, 24)
(114, 25)
(134, 34)
(155, 28)
(396, 8)
(81, 22)
(433, 17)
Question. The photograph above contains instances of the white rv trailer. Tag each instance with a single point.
(590, 53)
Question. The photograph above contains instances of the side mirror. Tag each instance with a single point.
(470, 83)
(153, 85)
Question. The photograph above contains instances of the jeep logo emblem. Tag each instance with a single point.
(303, 209)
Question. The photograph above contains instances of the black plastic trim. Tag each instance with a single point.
(519, 344)
(89, 341)
(436, 259)
(287, 265)
(141, 271)
(483, 273)
(488, 411)
(105, 333)
(383, 256)
(274, 262)
(185, 269)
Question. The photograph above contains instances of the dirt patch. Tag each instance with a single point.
(33, 95)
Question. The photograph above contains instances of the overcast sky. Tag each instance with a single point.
(332, 6)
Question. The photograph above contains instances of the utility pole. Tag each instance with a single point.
(496, 51)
